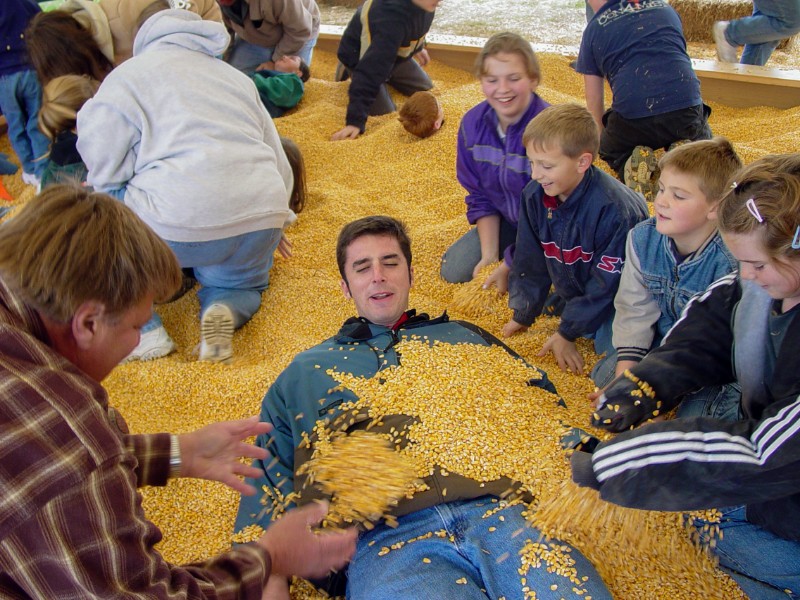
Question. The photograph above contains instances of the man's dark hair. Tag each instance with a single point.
(374, 225)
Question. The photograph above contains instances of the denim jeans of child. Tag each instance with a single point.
(765, 566)
(406, 77)
(232, 271)
(246, 56)
(719, 401)
(483, 555)
(460, 258)
(20, 100)
(760, 34)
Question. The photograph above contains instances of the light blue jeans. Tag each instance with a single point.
(760, 34)
(20, 100)
(232, 271)
(246, 56)
(765, 566)
(486, 561)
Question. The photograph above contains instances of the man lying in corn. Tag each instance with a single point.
(453, 539)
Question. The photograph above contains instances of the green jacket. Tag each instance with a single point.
(279, 91)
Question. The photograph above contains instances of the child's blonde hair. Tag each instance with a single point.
(765, 197)
(712, 162)
(569, 127)
(419, 114)
(62, 98)
(509, 43)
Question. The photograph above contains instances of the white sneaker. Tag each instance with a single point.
(216, 333)
(32, 179)
(726, 52)
(152, 344)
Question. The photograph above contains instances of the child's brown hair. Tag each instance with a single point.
(59, 45)
(567, 126)
(62, 98)
(297, 199)
(711, 162)
(764, 197)
(420, 114)
(509, 43)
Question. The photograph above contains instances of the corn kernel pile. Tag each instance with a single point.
(474, 301)
(361, 473)
(384, 171)
(486, 423)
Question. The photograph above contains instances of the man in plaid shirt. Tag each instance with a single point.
(78, 276)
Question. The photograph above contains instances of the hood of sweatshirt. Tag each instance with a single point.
(181, 28)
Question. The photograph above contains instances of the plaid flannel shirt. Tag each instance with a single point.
(71, 519)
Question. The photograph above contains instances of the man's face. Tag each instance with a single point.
(113, 339)
(378, 278)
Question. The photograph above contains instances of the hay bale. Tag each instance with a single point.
(344, 3)
(698, 16)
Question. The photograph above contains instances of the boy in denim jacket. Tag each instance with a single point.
(671, 257)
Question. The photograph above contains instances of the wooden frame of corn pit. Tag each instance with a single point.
(734, 85)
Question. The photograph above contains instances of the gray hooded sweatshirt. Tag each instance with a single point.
(186, 136)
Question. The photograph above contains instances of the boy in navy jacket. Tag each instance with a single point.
(573, 223)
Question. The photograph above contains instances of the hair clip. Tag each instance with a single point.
(796, 240)
(733, 185)
(751, 206)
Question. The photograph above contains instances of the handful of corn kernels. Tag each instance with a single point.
(363, 475)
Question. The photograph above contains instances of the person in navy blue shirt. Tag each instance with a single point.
(638, 46)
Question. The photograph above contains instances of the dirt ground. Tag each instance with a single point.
(548, 22)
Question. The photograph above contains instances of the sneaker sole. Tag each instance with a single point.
(216, 329)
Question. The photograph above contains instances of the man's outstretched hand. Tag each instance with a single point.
(214, 452)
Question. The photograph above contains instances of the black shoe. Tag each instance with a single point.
(342, 73)
(187, 283)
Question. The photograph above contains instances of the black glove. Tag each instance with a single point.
(582, 470)
(624, 405)
(575, 438)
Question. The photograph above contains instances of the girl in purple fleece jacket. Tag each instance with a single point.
(491, 162)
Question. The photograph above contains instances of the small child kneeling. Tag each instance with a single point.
(62, 98)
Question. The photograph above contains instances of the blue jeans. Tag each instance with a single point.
(760, 34)
(232, 271)
(764, 565)
(602, 337)
(474, 553)
(20, 100)
(720, 402)
(460, 258)
(246, 56)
